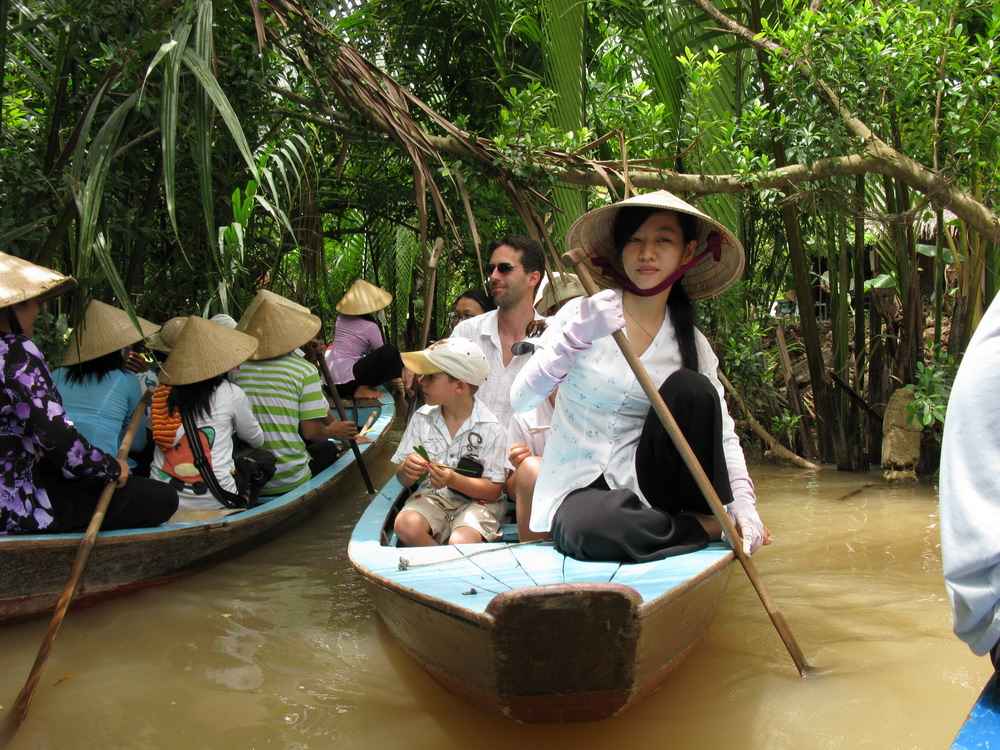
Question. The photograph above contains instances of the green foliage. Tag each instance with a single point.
(786, 424)
(51, 335)
(931, 390)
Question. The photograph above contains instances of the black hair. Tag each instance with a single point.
(478, 296)
(95, 368)
(13, 322)
(532, 255)
(193, 398)
(679, 304)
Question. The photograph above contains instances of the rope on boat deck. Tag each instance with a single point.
(405, 564)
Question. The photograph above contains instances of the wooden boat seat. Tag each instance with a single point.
(196, 516)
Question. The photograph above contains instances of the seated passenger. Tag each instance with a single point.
(612, 486)
(194, 386)
(461, 479)
(51, 476)
(97, 391)
(527, 431)
(284, 391)
(470, 304)
(359, 358)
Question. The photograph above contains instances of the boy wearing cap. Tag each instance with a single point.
(457, 502)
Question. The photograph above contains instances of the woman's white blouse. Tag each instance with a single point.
(599, 415)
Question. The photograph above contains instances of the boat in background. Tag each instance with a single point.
(36, 566)
(526, 631)
(981, 730)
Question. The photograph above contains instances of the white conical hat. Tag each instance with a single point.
(203, 350)
(594, 232)
(279, 325)
(105, 328)
(22, 280)
(363, 299)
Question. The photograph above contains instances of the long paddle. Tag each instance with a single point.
(23, 701)
(324, 368)
(576, 258)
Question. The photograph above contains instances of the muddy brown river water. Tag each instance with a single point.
(280, 648)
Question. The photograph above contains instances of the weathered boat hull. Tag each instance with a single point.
(36, 567)
(571, 651)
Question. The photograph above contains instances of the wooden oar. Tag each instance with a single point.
(576, 258)
(324, 368)
(23, 701)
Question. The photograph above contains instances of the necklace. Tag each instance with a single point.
(641, 326)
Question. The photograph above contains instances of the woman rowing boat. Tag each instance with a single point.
(612, 486)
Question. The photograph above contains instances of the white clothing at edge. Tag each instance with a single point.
(495, 392)
(229, 412)
(599, 415)
(970, 489)
(531, 428)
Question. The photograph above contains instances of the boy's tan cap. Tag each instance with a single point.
(457, 357)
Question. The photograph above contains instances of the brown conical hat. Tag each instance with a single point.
(164, 339)
(105, 328)
(363, 299)
(594, 232)
(204, 349)
(22, 280)
(278, 324)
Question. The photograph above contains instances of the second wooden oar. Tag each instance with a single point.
(324, 368)
(577, 258)
(23, 701)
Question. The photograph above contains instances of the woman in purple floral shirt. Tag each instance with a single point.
(50, 476)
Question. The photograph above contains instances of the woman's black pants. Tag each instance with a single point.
(375, 368)
(598, 523)
(140, 503)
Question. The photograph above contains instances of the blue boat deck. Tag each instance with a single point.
(981, 731)
(469, 576)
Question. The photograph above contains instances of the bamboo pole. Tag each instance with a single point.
(324, 369)
(577, 258)
(23, 702)
(430, 279)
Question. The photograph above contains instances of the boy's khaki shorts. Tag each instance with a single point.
(445, 514)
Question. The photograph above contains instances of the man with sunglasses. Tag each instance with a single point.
(515, 269)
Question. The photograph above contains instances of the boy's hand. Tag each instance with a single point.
(518, 452)
(441, 476)
(413, 468)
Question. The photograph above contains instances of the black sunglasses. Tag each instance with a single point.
(503, 268)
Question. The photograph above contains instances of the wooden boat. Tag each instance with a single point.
(981, 729)
(35, 567)
(523, 630)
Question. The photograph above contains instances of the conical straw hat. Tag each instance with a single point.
(105, 328)
(594, 232)
(203, 350)
(22, 280)
(164, 339)
(363, 299)
(278, 324)
(564, 287)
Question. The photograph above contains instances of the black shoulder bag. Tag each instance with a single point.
(252, 470)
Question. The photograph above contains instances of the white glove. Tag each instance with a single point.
(596, 317)
(748, 523)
